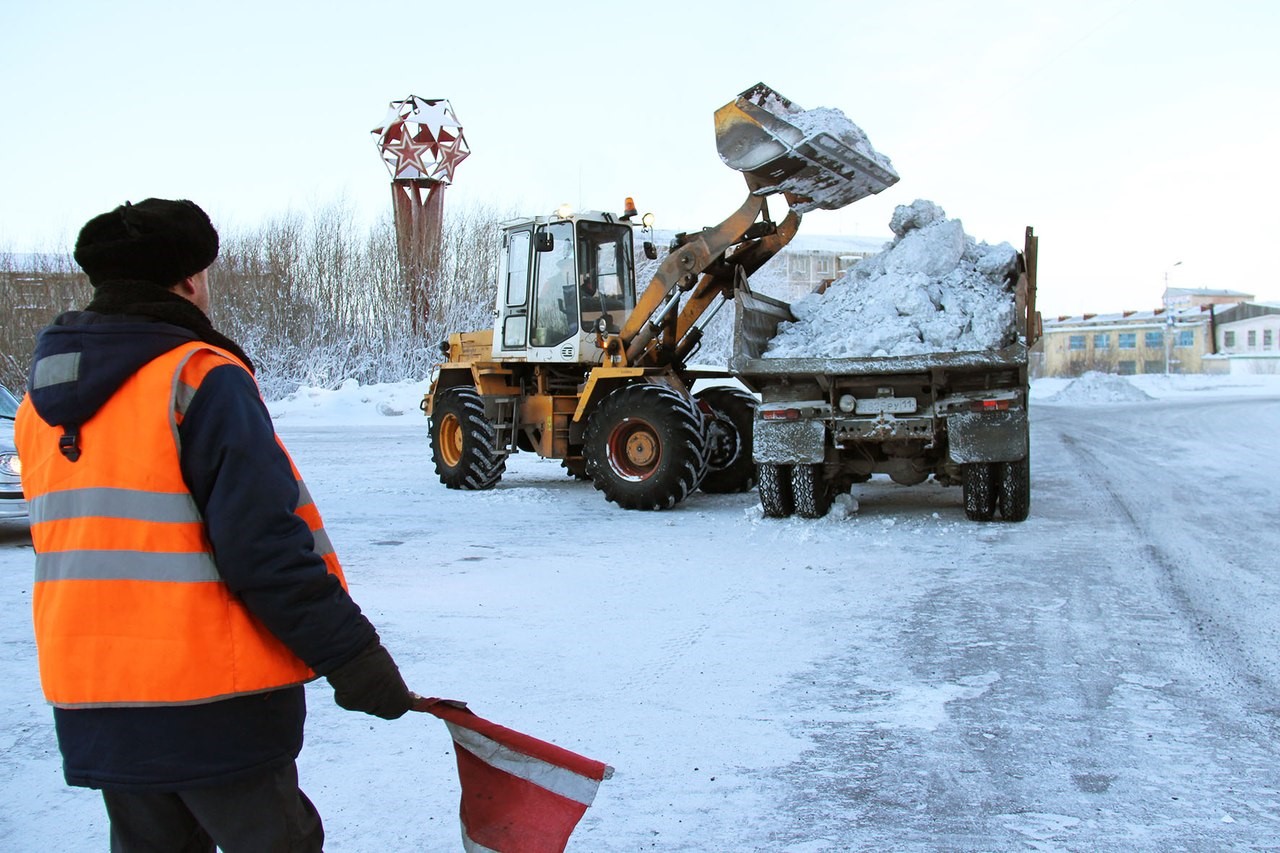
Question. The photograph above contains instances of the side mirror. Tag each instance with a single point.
(650, 250)
(543, 241)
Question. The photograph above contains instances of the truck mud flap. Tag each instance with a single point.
(789, 442)
(987, 436)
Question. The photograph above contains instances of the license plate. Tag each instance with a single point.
(893, 405)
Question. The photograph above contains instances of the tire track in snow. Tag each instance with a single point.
(1068, 715)
(1173, 562)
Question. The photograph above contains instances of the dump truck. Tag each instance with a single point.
(584, 366)
(827, 422)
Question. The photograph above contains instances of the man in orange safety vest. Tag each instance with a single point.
(185, 586)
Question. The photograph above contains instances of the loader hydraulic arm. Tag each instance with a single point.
(716, 285)
(699, 266)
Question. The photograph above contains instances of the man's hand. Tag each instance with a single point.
(371, 682)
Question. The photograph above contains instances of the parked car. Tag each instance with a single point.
(12, 503)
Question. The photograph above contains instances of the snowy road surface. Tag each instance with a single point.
(892, 677)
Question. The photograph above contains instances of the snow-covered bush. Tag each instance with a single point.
(316, 301)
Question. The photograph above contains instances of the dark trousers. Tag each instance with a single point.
(267, 812)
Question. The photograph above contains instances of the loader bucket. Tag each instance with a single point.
(818, 155)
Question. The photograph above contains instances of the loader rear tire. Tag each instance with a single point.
(645, 447)
(1014, 479)
(463, 441)
(811, 492)
(730, 465)
(979, 491)
(776, 498)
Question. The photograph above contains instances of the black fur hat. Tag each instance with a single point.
(156, 240)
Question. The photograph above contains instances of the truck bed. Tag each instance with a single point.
(756, 320)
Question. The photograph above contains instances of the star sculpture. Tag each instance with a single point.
(436, 115)
(409, 155)
(421, 138)
(452, 152)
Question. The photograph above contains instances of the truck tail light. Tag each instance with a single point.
(780, 415)
(989, 406)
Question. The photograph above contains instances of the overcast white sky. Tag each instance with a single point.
(1132, 134)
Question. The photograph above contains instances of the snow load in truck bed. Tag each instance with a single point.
(934, 289)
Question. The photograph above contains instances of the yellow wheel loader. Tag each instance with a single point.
(582, 366)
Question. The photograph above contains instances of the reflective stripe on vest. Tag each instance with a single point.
(129, 606)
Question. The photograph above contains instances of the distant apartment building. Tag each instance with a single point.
(1205, 337)
(1176, 298)
(809, 269)
(1127, 343)
(814, 262)
(1248, 336)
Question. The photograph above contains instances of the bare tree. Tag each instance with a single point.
(34, 288)
(313, 299)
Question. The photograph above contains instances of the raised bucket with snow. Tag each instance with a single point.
(818, 155)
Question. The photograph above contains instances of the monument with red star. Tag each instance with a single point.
(421, 143)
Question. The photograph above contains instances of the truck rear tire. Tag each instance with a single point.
(1014, 479)
(776, 497)
(979, 491)
(463, 441)
(811, 492)
(730, 467)
(645, 447)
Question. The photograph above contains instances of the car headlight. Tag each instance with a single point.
(10, 464)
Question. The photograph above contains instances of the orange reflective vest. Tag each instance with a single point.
(129, 606)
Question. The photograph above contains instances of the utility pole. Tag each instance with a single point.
(1168, 320)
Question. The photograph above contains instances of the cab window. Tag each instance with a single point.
(556, 295)
(607, 290)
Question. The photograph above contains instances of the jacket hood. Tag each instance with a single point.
(84, 357)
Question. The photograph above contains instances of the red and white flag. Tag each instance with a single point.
(519, 794)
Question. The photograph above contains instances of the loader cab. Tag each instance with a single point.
(561, 281)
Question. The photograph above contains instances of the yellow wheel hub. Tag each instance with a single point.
(451, 441)
(641, 449)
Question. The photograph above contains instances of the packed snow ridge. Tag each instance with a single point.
(1094, 387)
(933, 289)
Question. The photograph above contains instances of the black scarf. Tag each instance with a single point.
(144, 299)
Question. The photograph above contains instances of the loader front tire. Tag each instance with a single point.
(645, 447)
(979, 491)
(1014, 480)
(776, 498)
(730, 466)
(463, 441)
(810, 491)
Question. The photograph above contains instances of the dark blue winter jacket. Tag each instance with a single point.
(264, 551)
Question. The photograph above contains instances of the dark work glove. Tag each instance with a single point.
(371, 682)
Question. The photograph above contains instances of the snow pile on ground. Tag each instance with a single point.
(352, 404)
(1161, 385)
(934, 289)
(1095, 387)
